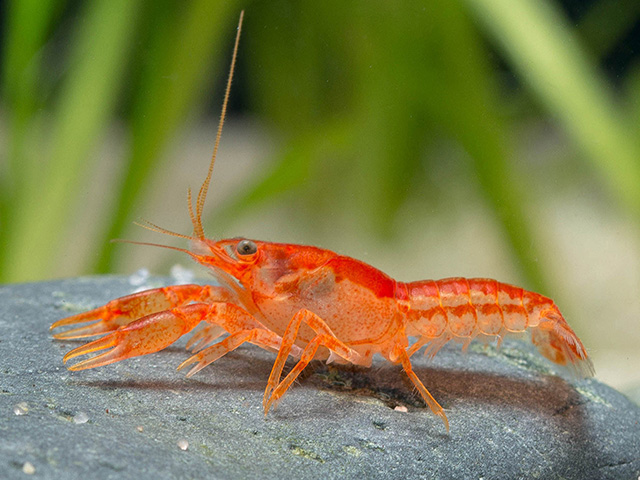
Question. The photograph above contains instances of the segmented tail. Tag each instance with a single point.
(555, 339)
(463, 309)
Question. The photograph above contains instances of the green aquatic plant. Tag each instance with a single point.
(368, 100)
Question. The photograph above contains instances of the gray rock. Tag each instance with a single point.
(511, 416)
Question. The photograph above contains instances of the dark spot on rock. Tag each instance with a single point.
(379, 425)
(111, 466)
(370, 445)
(301, 452)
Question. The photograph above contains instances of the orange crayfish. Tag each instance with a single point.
(311, 303)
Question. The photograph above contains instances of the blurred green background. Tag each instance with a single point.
(495, 138)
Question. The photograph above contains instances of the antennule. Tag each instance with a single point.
(155, 228)
(178, 249)
(198, 231)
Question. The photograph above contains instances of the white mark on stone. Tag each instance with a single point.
(21, 408)
(80, 418)
(28, 468)
(183, 444)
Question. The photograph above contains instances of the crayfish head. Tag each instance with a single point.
(262, 268)
(236, 256)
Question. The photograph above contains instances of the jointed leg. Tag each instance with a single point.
(275, 389)
(260, 337)
(424, 339)
(243, 328)
(204, 336)
(401, 355)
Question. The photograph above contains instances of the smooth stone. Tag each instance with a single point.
(511, 416)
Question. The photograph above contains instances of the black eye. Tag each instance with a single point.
(246, 247)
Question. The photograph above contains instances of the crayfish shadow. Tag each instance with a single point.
(548, 394)
(238, 370)
(545, 397)
(247, 369)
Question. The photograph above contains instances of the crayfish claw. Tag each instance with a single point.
(196, 369)
(106, 322)
(79, 318)
(214, 352)
(97, 328)
(187, 362)
(105, 358)
(79, 332)
(204, 336)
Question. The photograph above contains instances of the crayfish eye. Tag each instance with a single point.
(246, 247)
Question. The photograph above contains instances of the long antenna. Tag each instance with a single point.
(196, 219)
